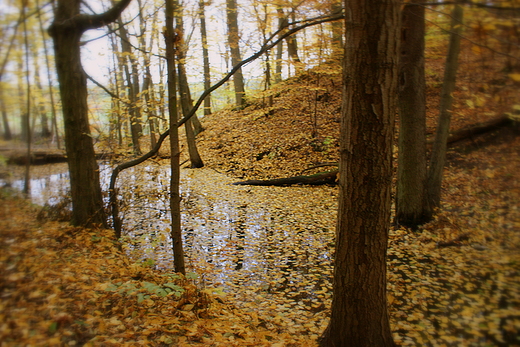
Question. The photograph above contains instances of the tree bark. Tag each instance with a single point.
(66, 30)
(359, 315)
(171, 39)
(233, 40)
(438, 157)
(412, 207)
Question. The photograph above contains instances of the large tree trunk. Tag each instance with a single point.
(438, 158)
(66, 31)
(233, 40)
(175, 198)
(411, 203)
(84, 172)
(359, 315)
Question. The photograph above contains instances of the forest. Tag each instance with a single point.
(260, 173)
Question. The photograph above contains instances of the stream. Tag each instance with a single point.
(266, 249)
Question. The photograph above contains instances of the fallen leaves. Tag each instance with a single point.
(62, 285)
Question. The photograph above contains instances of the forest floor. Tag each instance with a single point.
(454, 282)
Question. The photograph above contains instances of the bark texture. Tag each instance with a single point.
(359, 315)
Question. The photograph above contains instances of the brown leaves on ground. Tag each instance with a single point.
(67, 286)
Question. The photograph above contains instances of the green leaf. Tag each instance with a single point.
(53, 327)
(191, 275)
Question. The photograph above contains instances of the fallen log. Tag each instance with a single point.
(478, 129)
(327, 177)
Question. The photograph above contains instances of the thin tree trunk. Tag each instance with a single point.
(279, 46)
(359, 315)
(412, 205)
(205, 57)
(175, 199)
(27, 180)
(234, 47)
(438, 158)
(184, 90)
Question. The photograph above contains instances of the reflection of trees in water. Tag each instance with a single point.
(231, 239)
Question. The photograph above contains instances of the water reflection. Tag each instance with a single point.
(248, 240)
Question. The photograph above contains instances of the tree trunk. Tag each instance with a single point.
(438, 158)
(184, 90)
(279, 48)
(412, 205)
(292, 50)
(27, 178)
(66, 31)
(205, 57)
(359, 315)
(171, 39)
(233, 40)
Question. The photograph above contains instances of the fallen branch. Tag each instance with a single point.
(327, 177)
(479, 129)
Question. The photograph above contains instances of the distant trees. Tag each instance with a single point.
(359, 315)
